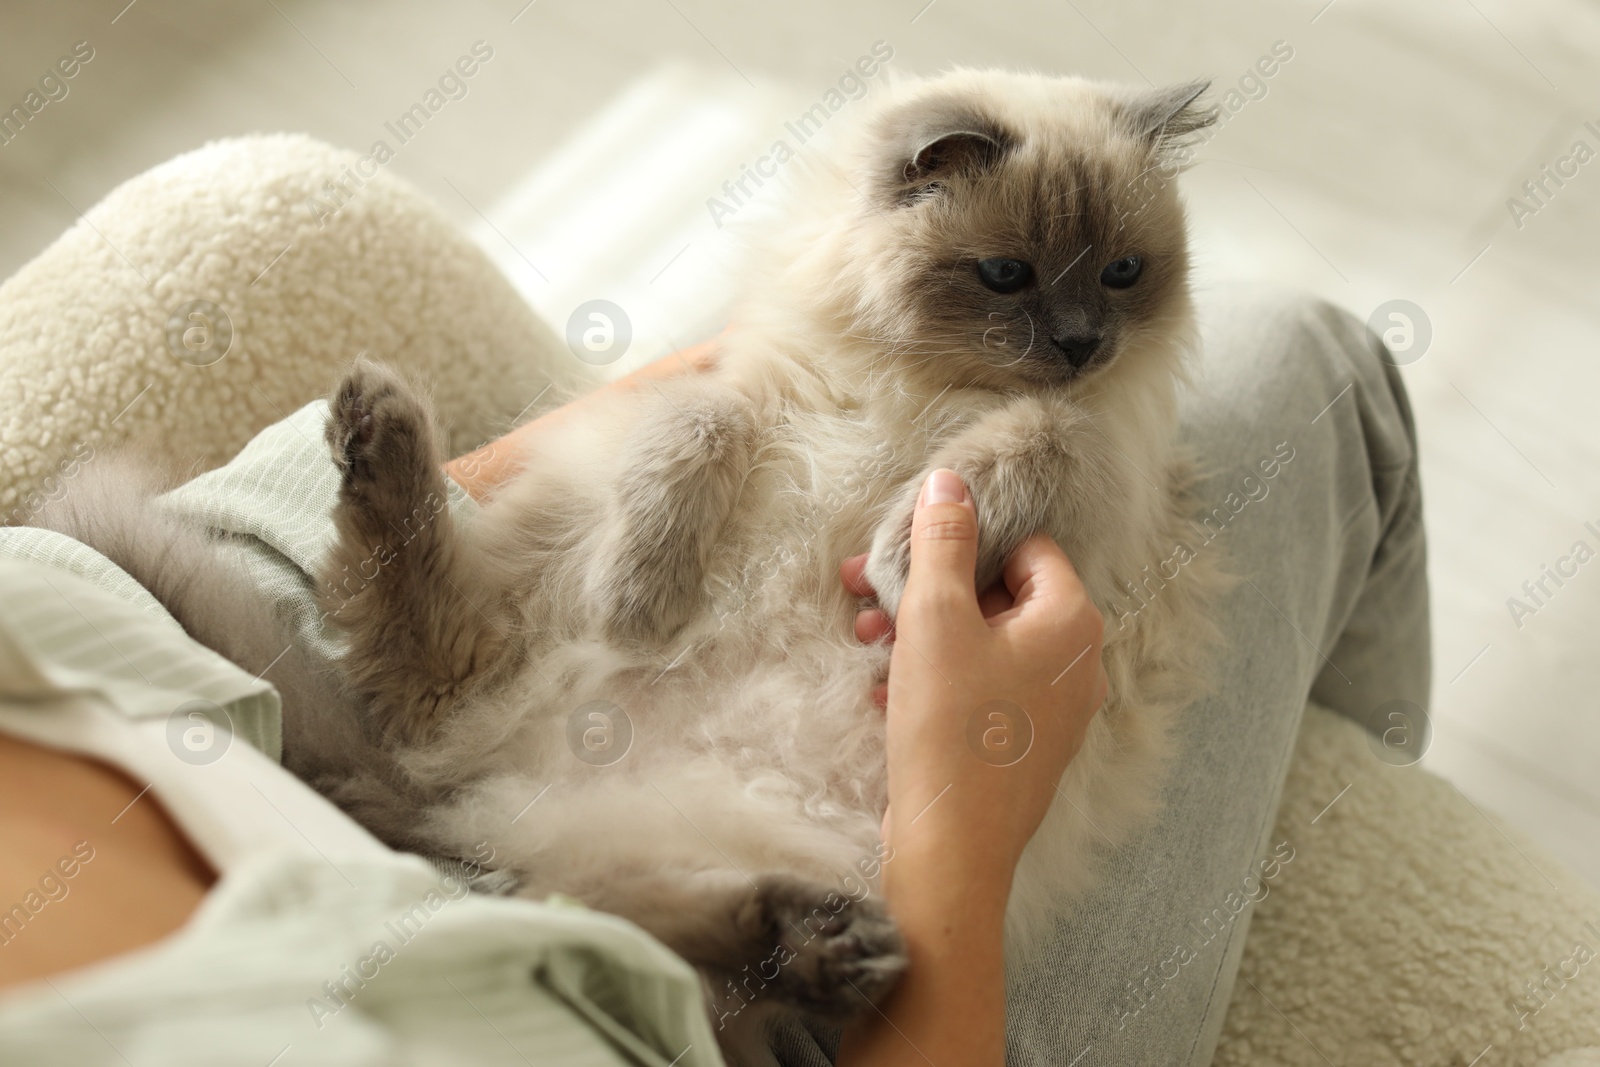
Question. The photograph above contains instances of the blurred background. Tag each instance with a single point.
(1384, 160)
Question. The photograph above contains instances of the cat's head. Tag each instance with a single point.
(1015, 230)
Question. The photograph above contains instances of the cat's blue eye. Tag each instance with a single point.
(1121, 273)
(1004, 275)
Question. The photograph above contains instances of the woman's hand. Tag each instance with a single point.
(989, 693)
(988, 701)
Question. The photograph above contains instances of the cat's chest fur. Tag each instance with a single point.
(821, 480)
(767, 674)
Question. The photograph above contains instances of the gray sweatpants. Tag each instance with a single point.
(1309, 492)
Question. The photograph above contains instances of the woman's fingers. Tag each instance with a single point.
(1054, 614)
(995, 600)
(1038, 570)
(853, 572)
(873, 625)
(944, 556)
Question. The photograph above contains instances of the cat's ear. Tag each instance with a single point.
(1167, 118)
(951, 152)
(932, 141)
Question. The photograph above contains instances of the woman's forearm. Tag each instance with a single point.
(949, 1008)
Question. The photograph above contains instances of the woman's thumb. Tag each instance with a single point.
(944, 543)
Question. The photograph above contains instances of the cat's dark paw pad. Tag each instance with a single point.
(833, 956)
(376, 424)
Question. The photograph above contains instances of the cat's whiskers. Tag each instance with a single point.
(936, 355)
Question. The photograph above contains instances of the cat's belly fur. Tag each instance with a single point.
(760, 705)
(752, 740)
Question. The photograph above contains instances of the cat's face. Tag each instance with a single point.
(1021, 230)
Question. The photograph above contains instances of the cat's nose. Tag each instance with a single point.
(1078, 347)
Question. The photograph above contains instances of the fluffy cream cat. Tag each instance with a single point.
(634, 674)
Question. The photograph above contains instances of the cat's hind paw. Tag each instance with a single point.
(832, 956)
(378, 427)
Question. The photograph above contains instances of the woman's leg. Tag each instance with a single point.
(1309, 494)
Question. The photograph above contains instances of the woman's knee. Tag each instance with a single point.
(1293, 357)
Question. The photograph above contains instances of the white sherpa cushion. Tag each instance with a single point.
(85, 362)
(1407, 927)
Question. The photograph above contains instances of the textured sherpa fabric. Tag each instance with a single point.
(85, 359)
(1404, 931)
(1408, 929)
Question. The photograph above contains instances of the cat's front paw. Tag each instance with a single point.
(889, 561)
(1005, 518)
(831, 956)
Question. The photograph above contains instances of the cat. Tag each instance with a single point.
(633, 672)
